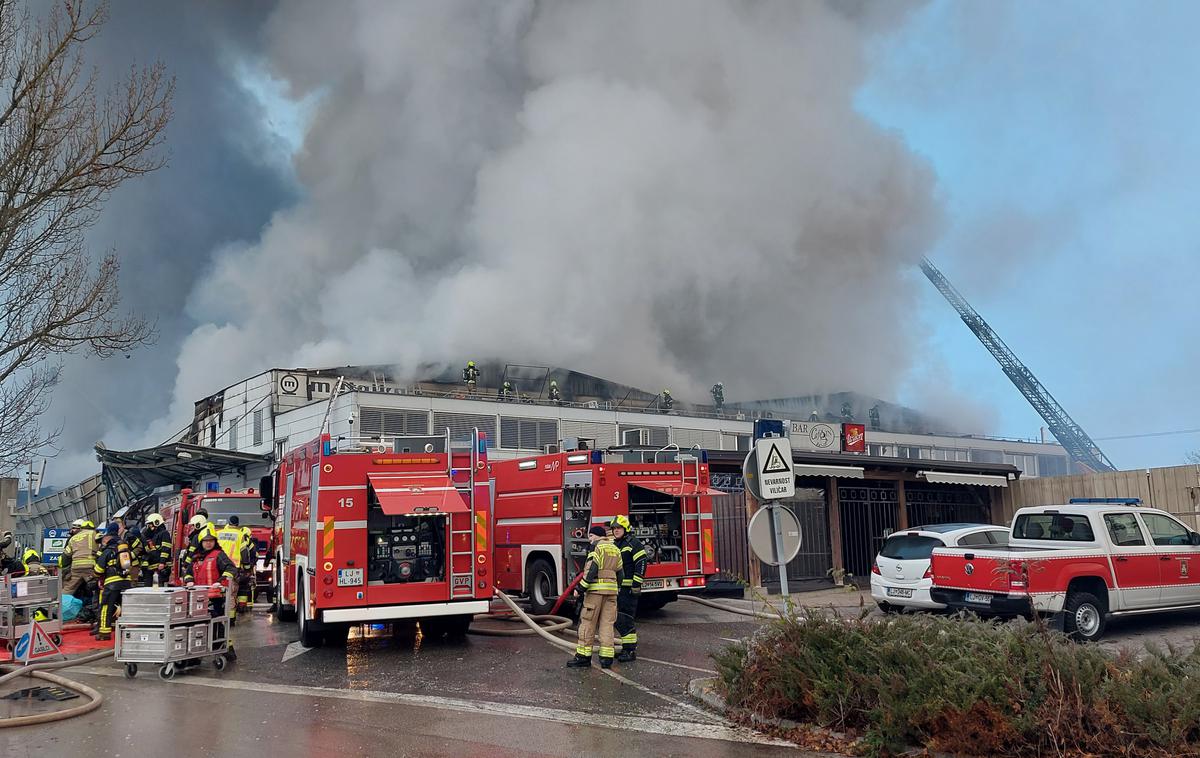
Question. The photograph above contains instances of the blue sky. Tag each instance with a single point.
(1066, 141)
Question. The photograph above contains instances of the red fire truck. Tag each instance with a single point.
(379, 531)
(546, 504)
(251, 510)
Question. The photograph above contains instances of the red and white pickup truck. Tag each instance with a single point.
(1078, 563)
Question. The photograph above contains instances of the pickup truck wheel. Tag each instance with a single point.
(1084, 617)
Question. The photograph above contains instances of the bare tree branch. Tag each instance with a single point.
(63, 149)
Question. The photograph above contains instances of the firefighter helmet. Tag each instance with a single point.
(88, 524)
(77, 523)
(154, 519)
(619, 521)
(470, 364)
(197, 521)
(31, 555)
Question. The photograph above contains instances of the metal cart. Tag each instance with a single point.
(167, 626)
(24, 596)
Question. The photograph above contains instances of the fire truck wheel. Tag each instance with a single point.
(310, 635)
(539, 585)
(283, 613)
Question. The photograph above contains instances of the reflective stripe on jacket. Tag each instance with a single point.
(109, 566)
(603, 571)
(82, 547)
(633, 555)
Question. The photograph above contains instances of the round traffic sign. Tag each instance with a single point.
(750, 475)
(762, 534)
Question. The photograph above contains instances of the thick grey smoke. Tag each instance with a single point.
(224, 177)
(646, 191)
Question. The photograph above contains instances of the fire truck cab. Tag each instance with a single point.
(382, 530)
(546, 504)
(252, 512)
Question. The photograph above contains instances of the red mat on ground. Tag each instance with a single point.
(75, 642)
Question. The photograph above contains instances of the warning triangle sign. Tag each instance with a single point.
(775, 464)
(40, 645)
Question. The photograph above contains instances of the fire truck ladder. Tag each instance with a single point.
(1077, 443)
(471, 447)
(691, 520)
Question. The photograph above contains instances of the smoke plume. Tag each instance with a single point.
(666, 194)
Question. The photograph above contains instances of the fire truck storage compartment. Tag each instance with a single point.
(405, 548)
(657, 520)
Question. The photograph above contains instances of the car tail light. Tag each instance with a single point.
(875, 568)
(928, 572)
(1018, 575)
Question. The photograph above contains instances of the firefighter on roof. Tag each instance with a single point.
(555, 395)
(718, 396)
(601, 577)
(112, 569)
(667, 402)
(156, 558)
(633, 557)
(210, 566)
(506, 392)
(471, 376)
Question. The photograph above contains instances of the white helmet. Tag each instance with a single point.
(198, 521)
(77, 523)
(154, 519)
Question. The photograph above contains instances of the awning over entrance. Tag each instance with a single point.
(133, 474)
(842, 472)
(416, 494)
(945, 477)
(678, 489)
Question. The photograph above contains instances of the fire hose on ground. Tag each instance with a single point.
(39, 671)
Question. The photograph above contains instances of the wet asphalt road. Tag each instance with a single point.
(401, 694)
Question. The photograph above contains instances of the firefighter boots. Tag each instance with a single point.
(606, 663)
(628, 653)
(580, 662)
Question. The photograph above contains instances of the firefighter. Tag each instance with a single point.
(31, 561)
(471, 376)
(112, 571)
(199, 525)
(873, 415)
(236, 542)
(212, 567)
(667, 402)
(633, 556)
(506, 392)
(555, 395)
(81, 558)
(601, 577)
(813, 416)
(156, 554)
(132, 534)
(718, 396)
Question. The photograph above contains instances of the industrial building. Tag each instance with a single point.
(858, 480)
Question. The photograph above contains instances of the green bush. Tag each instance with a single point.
(963, 685)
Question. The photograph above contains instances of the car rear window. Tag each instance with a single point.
(909, 547)
(1053, 526)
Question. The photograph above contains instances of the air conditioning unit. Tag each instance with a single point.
(551, 448)
(635, 437)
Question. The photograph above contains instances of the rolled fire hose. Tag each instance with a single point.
(38, 671)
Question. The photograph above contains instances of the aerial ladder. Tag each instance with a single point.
(1070, 435)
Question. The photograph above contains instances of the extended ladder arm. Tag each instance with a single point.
(1077, 443)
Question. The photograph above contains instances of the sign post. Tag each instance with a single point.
(774, 532)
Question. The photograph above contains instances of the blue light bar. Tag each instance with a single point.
(1111, 500)
(327, 447)
(767, 427)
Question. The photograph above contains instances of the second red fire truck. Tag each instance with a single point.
(247, 505)
(544, 506)
(374, 531)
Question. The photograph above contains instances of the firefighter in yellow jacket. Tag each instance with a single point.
(237, 544)
(80, 552)
(602, 576)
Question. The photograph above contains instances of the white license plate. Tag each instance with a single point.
(654, 584)
(898, 592)
(462, 581)
(350, 577)
(977, 597)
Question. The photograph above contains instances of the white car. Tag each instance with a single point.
(900, 576)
